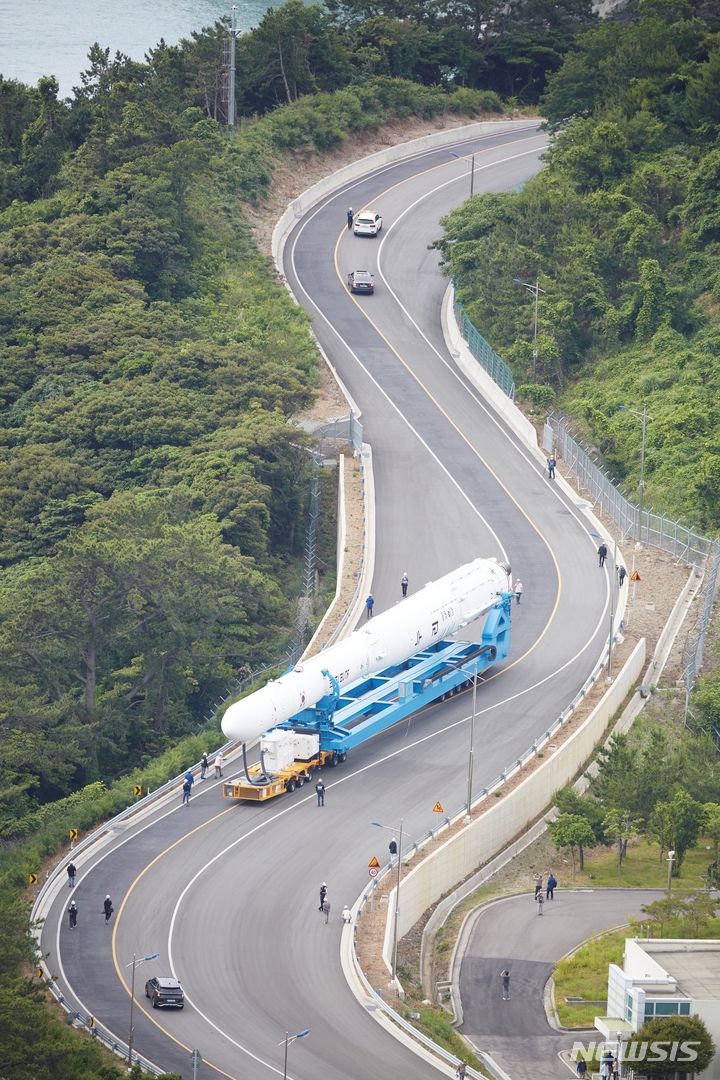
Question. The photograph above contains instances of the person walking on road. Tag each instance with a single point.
(622, 574)
(393, 849)
(505, 976)
(369, 606)
(404, 582)
(323, 894)
(461, 1070)
(551, 883)
(540, 901)
(551, 468)
(108, 908)
(320, 790)
(73, 913)
(518, 590)
(218, 764)
(187, 786)
(71, 872)
(602, 555)
(615, 1068)
(346, 914)
(581, 1068)
(204, 765)
(538, 880)
(350, 217)
(326, 907)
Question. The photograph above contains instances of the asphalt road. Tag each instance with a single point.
(228, 894)
(510, 934)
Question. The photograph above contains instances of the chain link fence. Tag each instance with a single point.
(655, 530)
(496, 368)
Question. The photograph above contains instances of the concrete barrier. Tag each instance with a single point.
(448, 137)
(482, 380)
(475, 844)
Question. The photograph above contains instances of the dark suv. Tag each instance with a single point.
(164, 993)
(361, 281)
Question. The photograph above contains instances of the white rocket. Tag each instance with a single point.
(439, 610)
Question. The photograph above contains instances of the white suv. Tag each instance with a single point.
(368, 223)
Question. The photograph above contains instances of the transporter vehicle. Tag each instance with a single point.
(368, 223)
(165, 993)
(395, 664)
(361, 281)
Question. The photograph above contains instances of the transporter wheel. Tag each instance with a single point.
(300, 780)
(290, 786)
(332, 760)
(343, 756)
(309, 774)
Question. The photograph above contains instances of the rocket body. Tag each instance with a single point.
(438, 611)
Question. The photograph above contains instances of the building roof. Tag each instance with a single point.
(696, 970)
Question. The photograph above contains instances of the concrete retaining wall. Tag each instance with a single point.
(479, 841)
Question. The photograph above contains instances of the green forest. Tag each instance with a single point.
(622, 232)
(153, 493)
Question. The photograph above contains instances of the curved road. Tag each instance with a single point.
(509, 934)
(228, 894)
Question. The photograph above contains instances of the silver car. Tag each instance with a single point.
(367, 223)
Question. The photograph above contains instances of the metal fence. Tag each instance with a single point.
(655, 530)
(496, 368)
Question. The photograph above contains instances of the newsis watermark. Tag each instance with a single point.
(633, 1050)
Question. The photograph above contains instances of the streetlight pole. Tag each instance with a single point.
(671, 856)
(472, 168)
(536, 290)
(397, 896)
(612, 610)
(291, 1039)
(471, 759)
(135, 963)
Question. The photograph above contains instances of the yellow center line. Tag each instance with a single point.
(437, 404)
(117, 924)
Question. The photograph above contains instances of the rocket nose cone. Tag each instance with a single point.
(244, 720)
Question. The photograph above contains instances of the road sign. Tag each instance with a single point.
(73, 834)
(635, 576)
(373, 871)
(374, 863)
(437, 809)
(33, 879)
(137, 790)
(91, 1022)
(41, 973)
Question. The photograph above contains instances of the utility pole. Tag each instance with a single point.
(231, 72)
(472, 176)
(642, 472)
(471, 759)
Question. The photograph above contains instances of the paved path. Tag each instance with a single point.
(510, 934)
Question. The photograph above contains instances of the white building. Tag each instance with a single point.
(664, 977)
